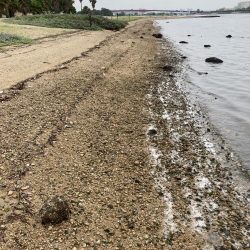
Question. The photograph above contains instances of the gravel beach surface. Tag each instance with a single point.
(114, 137)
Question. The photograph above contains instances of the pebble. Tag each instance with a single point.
(2, 203)
(137, 163)
(10, 193)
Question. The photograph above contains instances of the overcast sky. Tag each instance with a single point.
(162, 4)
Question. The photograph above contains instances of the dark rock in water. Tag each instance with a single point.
(152, 132)
(229, 36)
(158, 35)
(167, 68)
(54, 211)
(213, 60)
(202, 73)
(207, 46)
(183, 42)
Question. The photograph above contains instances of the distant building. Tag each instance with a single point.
(143, 12)
(243, 5)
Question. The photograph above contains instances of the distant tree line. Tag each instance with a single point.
(103, 12)
(10, 7)
(244, 10)
(229, 11)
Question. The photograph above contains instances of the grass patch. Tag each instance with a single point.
(7, 39)
(68, 21)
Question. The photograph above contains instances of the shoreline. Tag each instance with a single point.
(195, 150)
(82, 132)
(222, 89)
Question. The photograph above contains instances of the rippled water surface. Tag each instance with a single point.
(225, 90)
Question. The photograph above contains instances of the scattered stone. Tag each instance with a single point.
(141, 37)
(137, 163)
(152, 132)
(167, 68)
(10, 193)
(63, 67)
(54, 211)
(4, 97)
(110, 206)
(214, 60)
(229, 36)
(183, 42)
(131, 224)
(207, 46)
(158, 35)
(2, 203)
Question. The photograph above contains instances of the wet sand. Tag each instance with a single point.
(82, 132)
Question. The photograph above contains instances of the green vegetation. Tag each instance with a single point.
(103, 12)
(7, 39)
(10, 7)
(69, 21)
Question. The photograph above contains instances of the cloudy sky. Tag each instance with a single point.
(162, 4)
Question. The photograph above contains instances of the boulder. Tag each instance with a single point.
(158, 35)
(207, 46)
(183, 57)
(167, 68)
(229, 36)
(183, 42)
(54, 210)
(213, 60)
(188, 35)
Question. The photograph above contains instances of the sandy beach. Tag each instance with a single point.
(117, 137)
(19, 63)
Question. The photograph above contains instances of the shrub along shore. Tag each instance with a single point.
(69, 21)
(64, 21)
(8, 39)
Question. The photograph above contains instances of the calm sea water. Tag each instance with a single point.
(225, 90)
